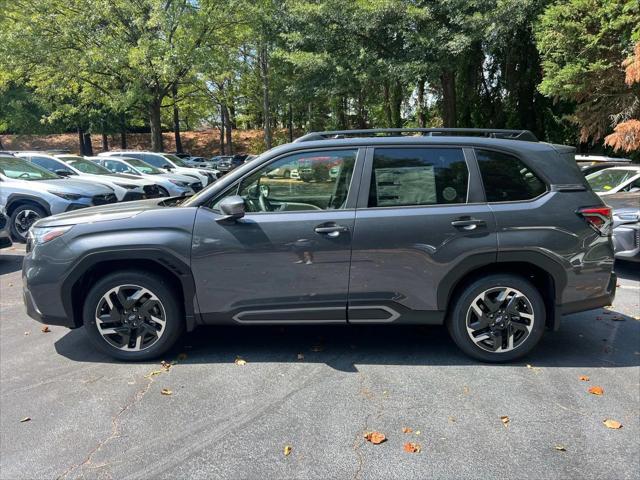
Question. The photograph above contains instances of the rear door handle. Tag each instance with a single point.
(331, 230)
(468, 223)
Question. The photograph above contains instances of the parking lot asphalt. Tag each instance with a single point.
(318, 389)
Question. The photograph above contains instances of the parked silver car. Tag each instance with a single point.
(5, 235)
(626, 225)
(173, 184)
(29, 193)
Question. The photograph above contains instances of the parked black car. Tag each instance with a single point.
(225, 165)
(495, 237)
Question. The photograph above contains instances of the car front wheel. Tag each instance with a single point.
(497, 318)
(22, 218)
(131, 316)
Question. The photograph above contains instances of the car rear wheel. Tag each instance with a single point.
(22, 218)
(131, 316)
(497, 318)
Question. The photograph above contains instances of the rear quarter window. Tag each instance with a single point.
(506, 178)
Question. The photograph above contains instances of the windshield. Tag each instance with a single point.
(86, 166)
(143, 167)
(178, 161)
(605, 180)
(22, 170)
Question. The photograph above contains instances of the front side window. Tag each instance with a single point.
(54, 166)
(301, 182)
(418, 176)
(506, 178)
(87, 166)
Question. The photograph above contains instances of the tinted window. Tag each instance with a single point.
(51, 165)
(305, 181)
(506, 178)
(418, 176)
(115, 166)
(21, 169)
(156, 161)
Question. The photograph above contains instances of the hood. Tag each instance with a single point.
(114, 211)
(623, 200)
(67, 185)
(180, 177)
(131, 180)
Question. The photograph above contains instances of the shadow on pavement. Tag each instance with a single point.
(10, 263)
(584, 340)
(627, 270)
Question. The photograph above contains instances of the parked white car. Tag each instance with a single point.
(174, 184)
(615, 179)
(125, 188)
(168, 162)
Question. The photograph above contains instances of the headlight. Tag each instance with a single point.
(67, 196)
(41, 235)
(128, 186)
(179, 183)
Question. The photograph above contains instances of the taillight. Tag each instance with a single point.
(598, 218)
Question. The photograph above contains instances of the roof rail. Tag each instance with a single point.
(524, 135)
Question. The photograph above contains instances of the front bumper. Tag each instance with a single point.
(626, 241)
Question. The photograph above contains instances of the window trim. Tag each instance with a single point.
(533, 170)
(352, 193)
(365, 184)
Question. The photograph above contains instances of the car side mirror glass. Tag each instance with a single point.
(232, 208)
(62, 173)
(166, 166)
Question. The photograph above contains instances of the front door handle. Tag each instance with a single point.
(468, 223)
(331, 230)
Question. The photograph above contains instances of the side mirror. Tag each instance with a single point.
(167, 167)
(232, 207)
(63, 173)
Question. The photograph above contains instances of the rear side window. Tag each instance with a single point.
(418, 176)
(506, 178)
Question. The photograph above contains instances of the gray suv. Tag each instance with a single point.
(490, 232)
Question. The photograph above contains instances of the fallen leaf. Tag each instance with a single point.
(411, 447)
(505, 420)
(11, 284)
(617, 318)
(595, 390)
(25, 419)
(584, 378)
(27, 333)
(317, 348)
(375, 437)
(182, 356)
(45, 329)
(166, 365)
(407, 429)
(287, 450)
(465, 390)
(240, 361)
(452, 419)
(166, 391)
(417, 432)
(614, 424)
(560, 448)
(301, 356)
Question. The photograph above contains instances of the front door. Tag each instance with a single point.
(420, 218)
(288, 259)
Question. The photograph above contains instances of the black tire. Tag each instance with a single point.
(523, 342)
(174, 317)
(31, 213)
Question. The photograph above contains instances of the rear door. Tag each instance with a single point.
(421, 217)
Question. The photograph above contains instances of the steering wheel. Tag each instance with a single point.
(263, 200)
(24, 175)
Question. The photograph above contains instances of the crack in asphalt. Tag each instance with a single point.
(115, 424)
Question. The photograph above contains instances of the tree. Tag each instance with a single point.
(583, 44)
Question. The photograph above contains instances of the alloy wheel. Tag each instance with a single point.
(130, 318)
(500, 319)
(24, 220)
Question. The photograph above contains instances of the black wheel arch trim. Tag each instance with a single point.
(17, 198)
(480, 260)
(163, 257)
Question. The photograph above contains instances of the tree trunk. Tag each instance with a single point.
(222, 121)
(81, 141)
(290, 123)
(387, 104)
(105, 142)
(123, 131)
(155, 123)
(361, 115)
(448, 80)
(396, 104)
(88, 147)
(228, 129)
(266, 102)
(421, 111)
(176, 119)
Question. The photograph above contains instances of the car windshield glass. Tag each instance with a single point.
(21, 169)
(178, 161)
(608, 179)
(86, 166)
(143, 167)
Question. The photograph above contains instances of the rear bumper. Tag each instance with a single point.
(592, 302)
(626, 240)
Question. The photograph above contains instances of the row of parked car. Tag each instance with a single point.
(617, 181)
(37, 184)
